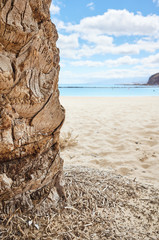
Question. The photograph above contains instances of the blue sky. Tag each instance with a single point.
(107, 41)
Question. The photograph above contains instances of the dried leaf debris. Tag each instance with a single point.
(100, 206)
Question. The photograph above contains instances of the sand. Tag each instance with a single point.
(113, 133)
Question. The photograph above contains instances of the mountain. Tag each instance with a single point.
(154, 79)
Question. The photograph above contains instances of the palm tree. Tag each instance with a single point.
(30, 112)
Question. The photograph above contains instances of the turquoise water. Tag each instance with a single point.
(108, 90)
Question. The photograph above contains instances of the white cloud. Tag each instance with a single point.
(118, 23)
(68, 41)
(70, 47)
(59, 24)
(54, 9)
(98, 36)
(90, 5)
(126, 60)
(156, 1)
(106, 75)
(148, 62)
(111, 69)
(98, 39)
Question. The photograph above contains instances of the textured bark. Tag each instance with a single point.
(30, 112)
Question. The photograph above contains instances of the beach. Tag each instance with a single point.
(119, 134)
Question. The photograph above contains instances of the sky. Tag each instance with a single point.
(107, 41)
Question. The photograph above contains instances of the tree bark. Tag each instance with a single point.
(30, 112)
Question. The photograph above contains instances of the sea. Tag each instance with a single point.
(108, 90)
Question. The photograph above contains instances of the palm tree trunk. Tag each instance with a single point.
(30, 112)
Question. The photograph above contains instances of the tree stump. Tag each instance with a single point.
(30, 112)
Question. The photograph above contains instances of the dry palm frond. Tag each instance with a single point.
(68, 140)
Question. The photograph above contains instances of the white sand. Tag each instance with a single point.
(119, 133)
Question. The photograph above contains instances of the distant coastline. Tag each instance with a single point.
(110, 86)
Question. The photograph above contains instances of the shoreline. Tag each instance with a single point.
(126, 86)
(104, 97)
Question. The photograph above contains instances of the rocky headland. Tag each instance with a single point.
(154, 79)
